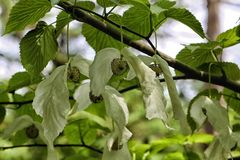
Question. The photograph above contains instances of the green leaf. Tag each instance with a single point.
(186, 17)
(63, 19)
(178, 112)
(51, 102)
(196, 54)
(137, 18)
(117, 109)
(26, 12)
(165, 4)
(99, 40)
(224, 69)
(200, 138)
(232, 99)
(4, 97)
(152, 90)
(22, 79)
(100, 70)
(54, 2)
(71, 132)
(38, 47)
(106, 3)
(86, 4)
(229, 37)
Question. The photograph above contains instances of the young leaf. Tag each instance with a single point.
(63, 19)
(117, 109)
(178, 112)
(26, 12)
(22, 79)
(187, 18)
(51, 102)
(100, 70)
(152, 90)
(38, 47)
(229, 37)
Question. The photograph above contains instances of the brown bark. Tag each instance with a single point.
(213, 19)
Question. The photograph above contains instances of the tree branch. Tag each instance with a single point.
(56, 145)
(189, 72)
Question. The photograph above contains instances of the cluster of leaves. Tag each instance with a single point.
(82, 100)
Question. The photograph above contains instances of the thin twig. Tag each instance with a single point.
(56, 145)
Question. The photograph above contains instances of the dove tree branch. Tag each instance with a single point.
(189, 73)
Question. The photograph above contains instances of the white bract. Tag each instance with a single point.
(152, 90)
(51, 102)
(100, 70)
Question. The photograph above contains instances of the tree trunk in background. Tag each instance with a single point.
(213, 19)
(212, 32)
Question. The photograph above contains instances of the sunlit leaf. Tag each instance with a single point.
(152, 90)
(100, 70)
(51, 102)
(37, 47)
(26, 12)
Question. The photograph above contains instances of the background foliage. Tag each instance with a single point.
(96, 109)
